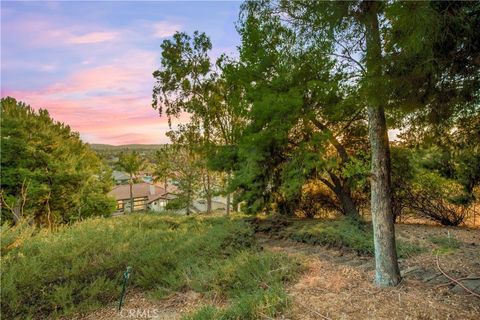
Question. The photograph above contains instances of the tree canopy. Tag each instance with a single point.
(48, 174)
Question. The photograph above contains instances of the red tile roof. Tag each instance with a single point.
(139, 190)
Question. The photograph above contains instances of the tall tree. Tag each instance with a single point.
(48, 174)
(131, 162)
(189, 83)
(187, 166)
(298, 106)
(402, 60)
(184, 84)
(163, 165)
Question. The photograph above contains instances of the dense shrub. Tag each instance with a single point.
(318, 200)
(423, 185)
(48, 174)
(78, 268)
(437, 198)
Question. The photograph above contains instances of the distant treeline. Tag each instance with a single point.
(136, 147)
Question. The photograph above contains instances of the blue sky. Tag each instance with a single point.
(90, 63)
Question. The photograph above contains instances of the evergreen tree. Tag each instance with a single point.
(48, 174)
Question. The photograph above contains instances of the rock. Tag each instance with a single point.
(429, 276)
(472, 284)
(409, 270)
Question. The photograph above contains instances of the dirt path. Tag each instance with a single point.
(338, 285)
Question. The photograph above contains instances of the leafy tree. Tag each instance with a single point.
(131, 162)
(163, 165)
(395, 52)
(186, 167)
(306, 123)
(188, 82)
(184, 84)
(48, 174)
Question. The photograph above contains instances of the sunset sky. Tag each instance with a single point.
(90, 63)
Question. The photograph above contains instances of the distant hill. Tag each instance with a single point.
(137, 147)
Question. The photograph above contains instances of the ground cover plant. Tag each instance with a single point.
(79, 268)
(340, 233)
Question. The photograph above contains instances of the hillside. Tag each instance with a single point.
(137, 147)
(78, 269)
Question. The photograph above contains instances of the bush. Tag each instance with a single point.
(433, 197)
(79, 267)
(423, 184)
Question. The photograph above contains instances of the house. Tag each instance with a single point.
(120, 177)
(146, 196)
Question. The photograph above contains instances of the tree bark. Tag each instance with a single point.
(131, 193)
(387, 272)
(345, 197)
(188, 198)
(228, 204)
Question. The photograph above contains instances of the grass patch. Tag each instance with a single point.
(446, 245)
(79, 268)
(343, 233)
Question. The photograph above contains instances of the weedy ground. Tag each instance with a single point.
(237, 268)
(77, 269)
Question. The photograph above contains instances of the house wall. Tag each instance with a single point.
(158, 205)
(139, 204)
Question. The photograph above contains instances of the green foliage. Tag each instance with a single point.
(424, 183)
(48, 174)
(446, 245)
(78, 268)
(294, 131)
(336, 233)
(131, 162)
(342, 233)
(260, 304)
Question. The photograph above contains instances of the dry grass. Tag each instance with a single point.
(139, 306)
(338, 285)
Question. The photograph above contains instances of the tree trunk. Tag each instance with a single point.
(228, 204)
(188, 198)
(209, 194)
(17, 215)
(131, 193)
(343, 194)
(387, 272)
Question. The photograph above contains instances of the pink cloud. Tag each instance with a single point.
(106, 104)
(165, 29)
(111, 119)
(93, 37)
(41, 32)
(108, 98)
